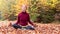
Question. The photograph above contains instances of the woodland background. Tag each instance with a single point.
(45, 11)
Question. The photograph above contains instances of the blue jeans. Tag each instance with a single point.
(27, 27)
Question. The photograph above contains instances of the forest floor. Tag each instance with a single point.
(51, 28)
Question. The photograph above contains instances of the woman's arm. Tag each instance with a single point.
(18, 19)
(29, 20)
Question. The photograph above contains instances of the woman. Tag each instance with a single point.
(23, 20)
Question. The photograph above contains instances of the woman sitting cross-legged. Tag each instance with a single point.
(23, 20)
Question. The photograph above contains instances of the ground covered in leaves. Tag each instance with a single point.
(40, 29)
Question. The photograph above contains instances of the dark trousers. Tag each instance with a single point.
(27, 27)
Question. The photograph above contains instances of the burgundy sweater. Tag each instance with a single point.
(23, 19)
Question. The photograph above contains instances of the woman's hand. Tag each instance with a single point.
(35, 25)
